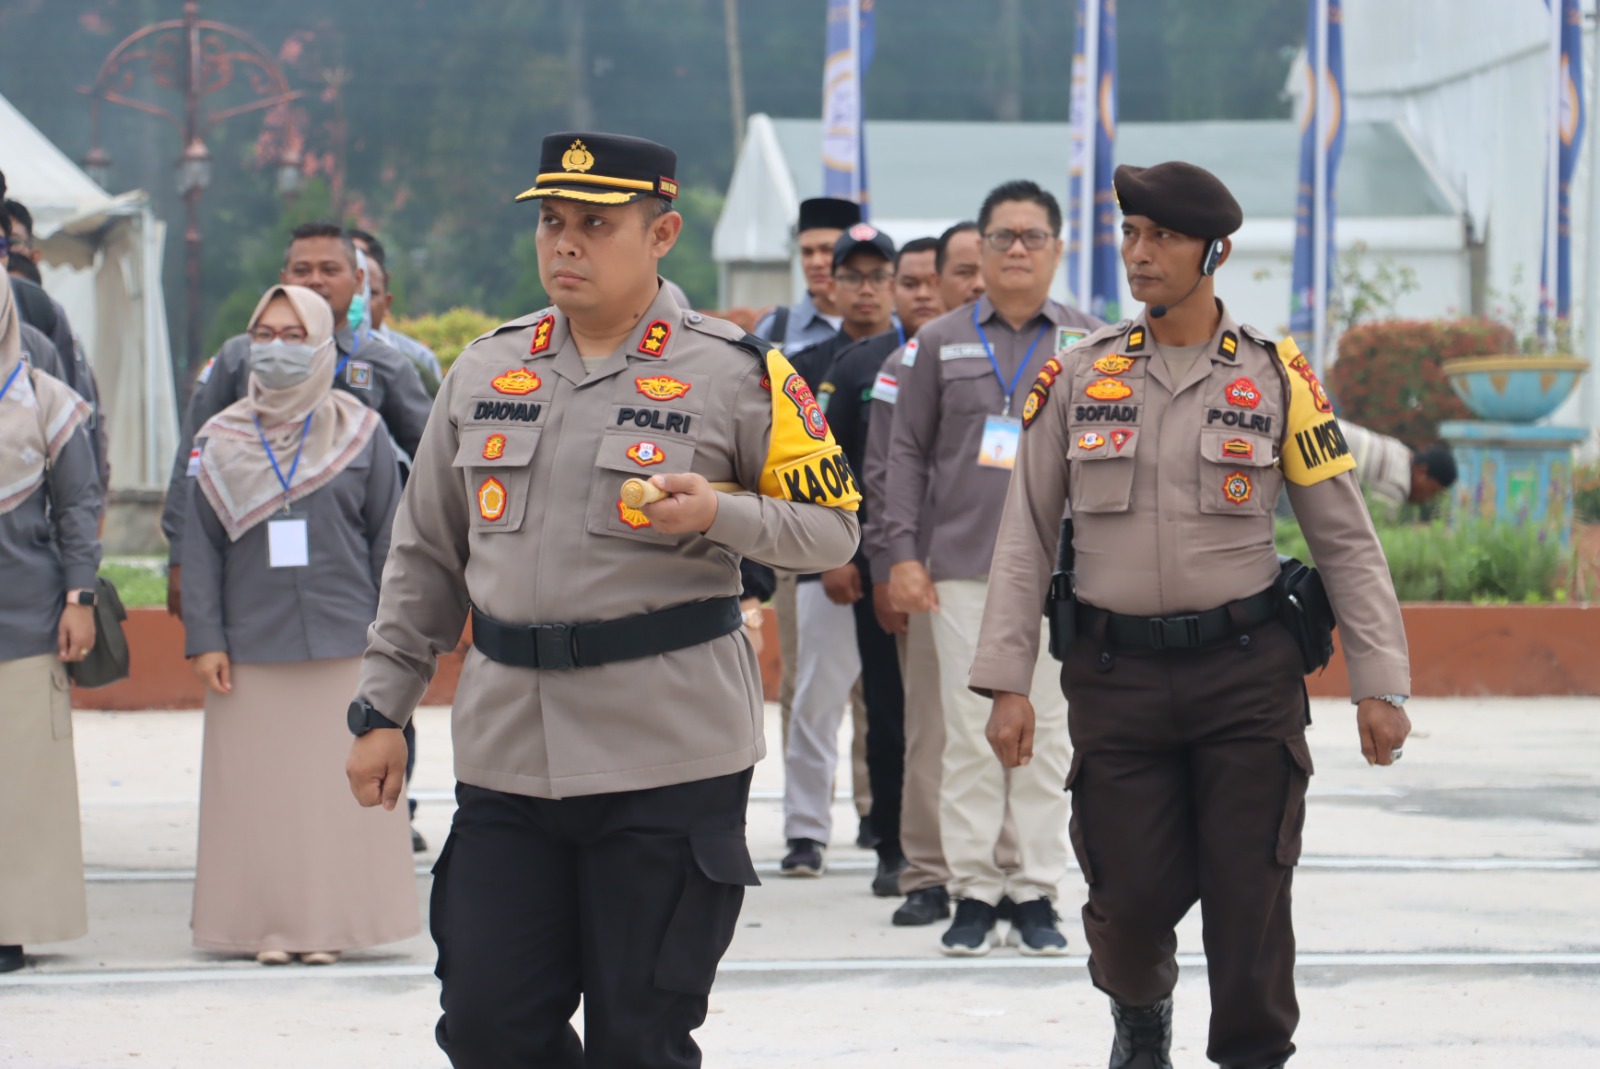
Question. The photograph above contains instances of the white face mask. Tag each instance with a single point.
(279, 365)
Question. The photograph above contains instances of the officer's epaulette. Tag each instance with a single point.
(755, 345)
(1267, 343)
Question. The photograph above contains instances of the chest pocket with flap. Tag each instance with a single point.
(627, 455)
(497, 464)
(1239, 475)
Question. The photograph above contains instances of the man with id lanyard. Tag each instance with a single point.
(957, 426)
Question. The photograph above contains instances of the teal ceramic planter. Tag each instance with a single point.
(1513, 389)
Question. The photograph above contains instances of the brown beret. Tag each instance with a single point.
(1181, 197)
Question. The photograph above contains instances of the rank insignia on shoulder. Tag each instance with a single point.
(1113, 365)
(1066, 338)
(495, 447)
(542, 331)
(1120, 438)
(1242, 393)
(492, 499)
(358, 373)
(632, 517)
(1237, 487)
(1230, 343)
(655, 338)
(205, 372)
(1109, 390)
(661, 387)
(645, 454)
(517, 383)
(1035, 401)
(796, 390)
(1239, 448)
(1091, 440)
(1135, 339)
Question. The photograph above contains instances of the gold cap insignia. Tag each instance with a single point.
(577, 158)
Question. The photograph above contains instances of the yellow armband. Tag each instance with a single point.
(804, 463)
(1314, 448)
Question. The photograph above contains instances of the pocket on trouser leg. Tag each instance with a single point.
(1075, 824)
(1297, 753)
(60, 702)
(707, 913)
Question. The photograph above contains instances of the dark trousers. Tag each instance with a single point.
(1188, 780)
(885, 699)
(628, 900)
(409, 733)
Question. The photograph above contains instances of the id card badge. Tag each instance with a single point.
(287, 545)
(1002, 435)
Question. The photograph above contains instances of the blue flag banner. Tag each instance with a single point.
(1319, 167)
(1093, 261)
(1566, 132)
(851, 37)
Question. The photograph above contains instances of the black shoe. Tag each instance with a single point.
(418, 843)
(866, 838)
(1144, 1036)
(1034, 930)
(923, 907)
(971, 934)
(1005, 909)
(886, 884)
(805, 858)
(11, 959)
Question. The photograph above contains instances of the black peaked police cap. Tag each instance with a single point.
(603, 169)
(1179, 196)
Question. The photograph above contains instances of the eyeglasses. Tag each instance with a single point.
(1032, 240)
(854, 280)
(288, 335)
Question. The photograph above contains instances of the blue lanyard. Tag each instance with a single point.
(295, 466)
(1021, 370)
(345, 359)
(899, 328)
(10, 378)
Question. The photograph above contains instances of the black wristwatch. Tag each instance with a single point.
(81, 597)
(362, 718)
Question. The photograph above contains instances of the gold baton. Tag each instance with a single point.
(636, 492)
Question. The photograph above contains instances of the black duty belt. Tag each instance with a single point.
(1186, 632)
(555, 646)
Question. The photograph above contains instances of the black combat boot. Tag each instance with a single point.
(1144, 1036)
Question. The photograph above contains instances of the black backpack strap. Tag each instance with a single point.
(780, 326)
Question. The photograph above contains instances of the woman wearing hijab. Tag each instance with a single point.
(49, 554)
(282, 553)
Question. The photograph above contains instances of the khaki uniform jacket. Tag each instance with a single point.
(939, 496)
(1172, 487)
(514, 506)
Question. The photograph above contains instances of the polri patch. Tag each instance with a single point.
(1237, 487)
(358, 373)
(1108, 390)
(517, 383)
(1112, 364)
(646, 454)
(495, 447)
(542, 332)
(796, 390)
(1120, 438)
(492, 499)
(1034, 402)
(661, 387)
(1091, 440)
(1242, 393)
(1319, 396)
(632, 517)
(655, 338)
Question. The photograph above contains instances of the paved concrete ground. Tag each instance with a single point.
(1448, 913)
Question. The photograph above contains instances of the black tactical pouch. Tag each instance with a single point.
(1304, 608)
(1061, 601)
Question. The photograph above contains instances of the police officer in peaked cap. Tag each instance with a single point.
(610, 712)
(1171, 436)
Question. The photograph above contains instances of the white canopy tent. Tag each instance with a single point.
(102, 262)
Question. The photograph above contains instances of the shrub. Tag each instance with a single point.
(1586, 494)
(448, 333)
(1388, 376)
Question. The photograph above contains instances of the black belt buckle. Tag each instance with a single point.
(555, 646)
(1175, 632)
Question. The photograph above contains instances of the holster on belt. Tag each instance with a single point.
(1304, 608)
(1061, 600)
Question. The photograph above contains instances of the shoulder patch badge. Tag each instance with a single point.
(1120, 438)
(517, 382)
(645, 454)
(1091, 440)
(661, 387)
(1314, 448)
(1239, 448)
(1242, 393)
(542, 331)
(908, 358)
(886, 388)
(1066, 338)
(632, 517)
(495, 447)
(205, 372)
(1112, 364)
(1319, 396)
(1109, 390)
(1034, 402)
(1237, 487)
(655, 338)
(492, 499)
(816, 424)
(358, 373)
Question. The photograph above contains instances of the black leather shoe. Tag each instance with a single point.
(1143, 1037)
(923, 907)
(886, 884)
(11, 959)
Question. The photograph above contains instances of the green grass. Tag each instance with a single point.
(139, 587)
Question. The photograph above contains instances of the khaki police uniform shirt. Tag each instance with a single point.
(514, 506)
(939, 496)
(1172, 487)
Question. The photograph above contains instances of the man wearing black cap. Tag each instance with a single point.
(816, 316)
(607, 721)
(1171, 436)
(828, 613)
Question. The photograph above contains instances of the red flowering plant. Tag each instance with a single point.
(1389, 376)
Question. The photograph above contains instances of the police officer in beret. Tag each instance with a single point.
(1171, 436)
(610, 711)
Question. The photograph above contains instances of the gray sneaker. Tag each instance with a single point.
(806, 857)
(1034, 930)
